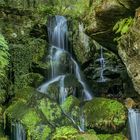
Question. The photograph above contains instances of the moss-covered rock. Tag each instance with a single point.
(68, 132)
(51, 111)
(19, 111)
(41, 132)
(86, 137)
(64, 133)
(129, 51)
(25, 93)
(105, 115)
(70, 103)
(112, 137)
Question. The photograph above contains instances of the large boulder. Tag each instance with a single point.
(105, 115)
(129, 51)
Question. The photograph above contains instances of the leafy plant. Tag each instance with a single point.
(122, 26)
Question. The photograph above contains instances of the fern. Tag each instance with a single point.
(4, 56)
(122, 26)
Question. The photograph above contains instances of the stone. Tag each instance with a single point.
(129, 103)
(105, 115)
(129, 51)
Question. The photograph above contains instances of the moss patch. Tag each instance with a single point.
(86, 137)
(41, 132)
(30, 119)
(64, 133)
(112, 137)
(51, 111)
(70, 103)
(17, 109)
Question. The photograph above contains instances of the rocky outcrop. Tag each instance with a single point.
(99, 26)
(100, 21)
(129, 51)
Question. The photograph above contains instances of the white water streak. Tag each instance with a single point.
(134, 123)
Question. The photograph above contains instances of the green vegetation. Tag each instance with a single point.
(123, 26)
(4, 58)
(112, 137)
(64, 133)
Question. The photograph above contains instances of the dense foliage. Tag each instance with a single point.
(4, 60)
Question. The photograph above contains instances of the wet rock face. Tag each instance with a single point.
(103, 17)
(129, 51)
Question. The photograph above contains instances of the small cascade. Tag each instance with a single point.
(63, 91)
(102, 63)
(18, 131)
(44, 88)
(134, 123)
(82, 121)
(60, 57)
(87, 94)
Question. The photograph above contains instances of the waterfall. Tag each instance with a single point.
(18, 131)
(134, 123)
(61, 60)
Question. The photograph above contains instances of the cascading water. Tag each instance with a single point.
(134, 123)
(59, 52)
(18, 131)
(102, 63)
(82, 121)
(58, 38)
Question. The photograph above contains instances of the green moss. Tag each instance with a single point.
(51, 110)
(64, 133)
(25, 93)
(32, 79)
(112, 137)
(70, 133)
(46, 132)
(105, 114)
(41, 132)
(4, 138)
(30, 121)
(17, 109)
(70, 103)
(86, 137)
